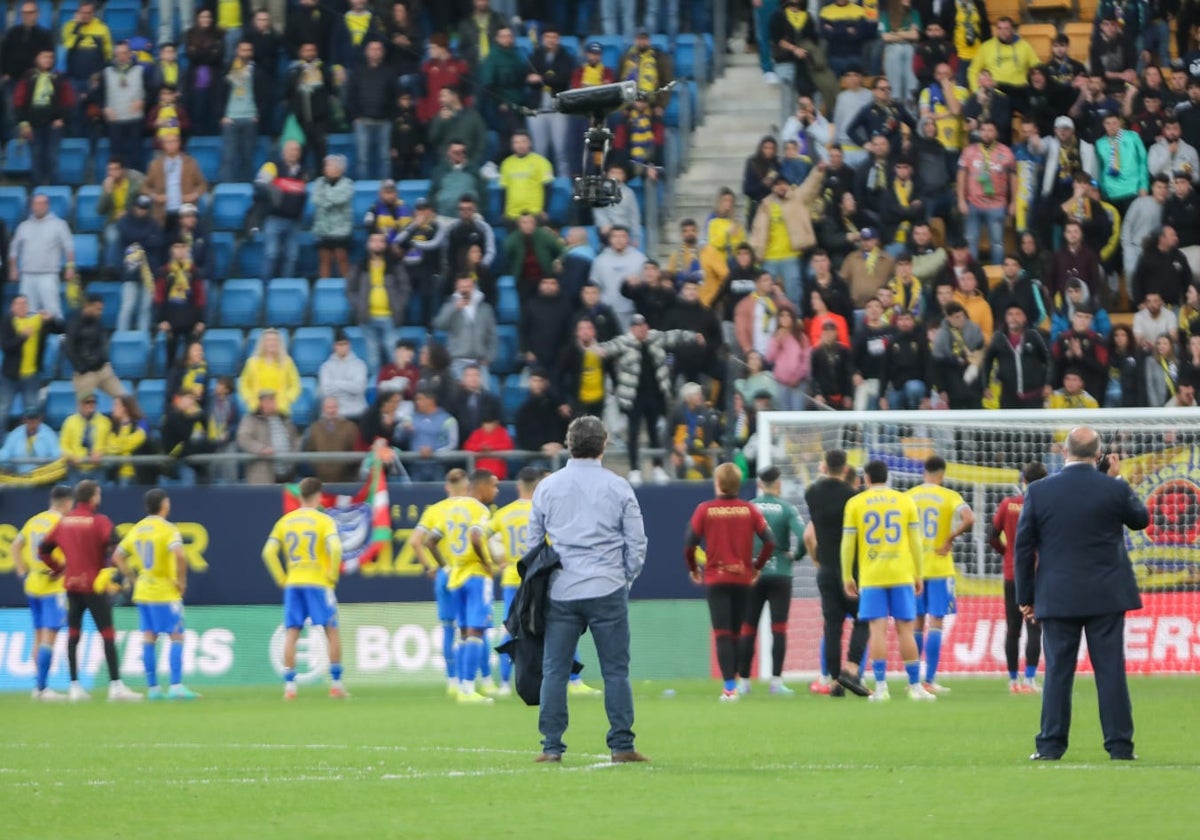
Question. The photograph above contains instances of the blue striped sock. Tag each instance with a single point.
(933, 654)
(175, 657)
(150, 664)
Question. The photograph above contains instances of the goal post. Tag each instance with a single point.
(984, 452)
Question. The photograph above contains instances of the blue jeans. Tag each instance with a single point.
(655, 10)
(9, 388)
(280, 235)
(114, 254)
(373, 143)
(788, 273)
(618, 17)
(607, 618)
(907, 398)
(237, 150)
(136, 301)
(380, 334)
(762, 31)
(994, 219)
(793, 398)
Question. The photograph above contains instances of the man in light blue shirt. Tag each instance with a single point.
(592, 518)
(33, 439)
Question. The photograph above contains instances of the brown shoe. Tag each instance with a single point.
(631, 757)
(549, 758)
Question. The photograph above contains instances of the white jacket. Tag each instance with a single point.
(1050, 148)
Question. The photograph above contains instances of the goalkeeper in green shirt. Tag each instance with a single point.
(774, 585)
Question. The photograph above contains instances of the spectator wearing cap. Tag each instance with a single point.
(592, 71)
(239, 115)
(470, 326)
(140, 240)
(545, 323)
(1083, 350)
(180, 296)
(612, 267)
(1171, 153)
(1076, 297)
(23, 334)
(1162, 269)
(1065, 154)
(265, 432)
(1122, 157)
(957, 352)
(86, 348)
(454, 177)
(84, 437)
(467, 230)
(592, 308)
(371, 93)
(883, 116)
(310, 96)
(421, 245)
(901, 208)
(332, 432)
(378, 289)
(344, 377)
(867, 268)
(783, 229)
(123, 92)
(541, 421)
(456, 120)
(33, 439)
(1145, 216)
(173, 179)
(491, 436)
(118, 195)
(1149, 115)
(531, 252)
(197, 238)
(987, 188)
(41, 250)
(1018, 359)
(333, 217)
(550, 71)
(1182, 212)
(625, 212)
(846, 29)
(646, 65)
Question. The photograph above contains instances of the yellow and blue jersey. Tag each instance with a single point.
(881, 530)
(39, 582)
(150, 545)
(936, 507)
(462, 517)
(511, 523)
(312, 550)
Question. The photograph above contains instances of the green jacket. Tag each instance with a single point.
(503, 73)
(784, 521)
(546, 245)
(466, 125)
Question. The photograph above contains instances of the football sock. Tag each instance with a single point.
(289, 676)
(506, 663)
(485, 660)
(879, 666)
(919, 637)
(44, 656)
(913, 669)
(448, 648)
(731, 685)
(150, 664)
(824, 659)
(335, 671)
(175, 658)
(933, 654)
(1030, 672)
(1012, 676)
(471, 653)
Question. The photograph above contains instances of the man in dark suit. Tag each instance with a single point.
(1073, 576)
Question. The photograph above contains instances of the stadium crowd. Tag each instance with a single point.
(854, 276)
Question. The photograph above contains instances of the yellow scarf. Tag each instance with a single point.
(872, 258)
(769, 310)
(903, 191)
(43, 90)
(481, 23)
(644, 70)
(179, 280)
(796, 18)
(359, 23)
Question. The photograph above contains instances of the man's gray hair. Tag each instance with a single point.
(690, 390)
(586, 437)
(1083, 443)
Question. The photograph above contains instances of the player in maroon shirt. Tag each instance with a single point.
(727, 525)
(1005, 522)
(86, 539)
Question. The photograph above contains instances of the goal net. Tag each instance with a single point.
(984, 451)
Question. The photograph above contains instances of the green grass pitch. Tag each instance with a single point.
(408, 763)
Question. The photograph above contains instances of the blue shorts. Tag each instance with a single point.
(899, 602)
(474, 603)
(316, 603)
(937, 598)
(443, 596)
(49, 611)
(161, 617)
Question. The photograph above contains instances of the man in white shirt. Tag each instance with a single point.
(1152, 320)
(617, 263)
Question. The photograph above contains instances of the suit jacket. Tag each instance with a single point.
(1070, 555)
(191, 180)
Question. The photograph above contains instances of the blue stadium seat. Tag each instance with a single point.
(129, 353)
(73, 156)
(661, 42)
(61, 200)
(499, 262)
(250, 258)
(287, 302)
(506, 358)
(51, 356)
(123, 21)
(513, 395)
(414, 312)
(241, 303)
(222, 243)
(508, 304)
(152, 397)
(305, 405)
(493, 384)
(223, 350)
(18, 158)
(310, 347)
(410, 191)
(87, 219)
(207, 152)
(87, 251)
(100, 155)
(66, 11)
(110, 293)
(330, 306)
(60, 402)
(46, 14)
(263, 149)
(366, 193)
(571, 44)
(493, 203)
(14, 206)
(614, 47)
(307, 264)
(358, 343)
(158, 352)
(560, 199)
(229, 205)
(417, 335)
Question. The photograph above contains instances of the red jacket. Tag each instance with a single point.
(86, 538)
(497, 440)
(728, 528)
(440, 74)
